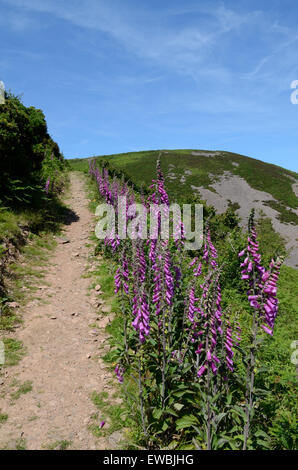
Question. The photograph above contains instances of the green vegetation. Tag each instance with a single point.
(3, 418)
(273, 424)
(59, 445)
(114, 415)
(26, 152)
(14, 351)
(276, 385)
(140, 168)
(29, 158)
(285, 215)
(24, 388)
(32, 174)
(20, 444)
(272, 244)
(24, 278)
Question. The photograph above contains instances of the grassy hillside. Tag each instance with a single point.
(140, 166)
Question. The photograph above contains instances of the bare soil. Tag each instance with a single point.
(235, 189)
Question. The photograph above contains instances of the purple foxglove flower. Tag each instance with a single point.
(201, 370)
(47, 185)
(119, 371)
(262, 283)
(267, 330)
(228, 346)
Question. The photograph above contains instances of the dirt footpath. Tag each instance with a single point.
(62, 360)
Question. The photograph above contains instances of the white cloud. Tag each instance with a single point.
(145, 33)
(206, 49)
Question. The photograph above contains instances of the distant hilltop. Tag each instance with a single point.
(223, 179)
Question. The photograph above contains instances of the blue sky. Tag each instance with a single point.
(123, 75)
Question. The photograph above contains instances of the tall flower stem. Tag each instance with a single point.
(209, 391)
(125, 324)
(164, 361)
(125, 335)
(250, 378)
(208, 403)
(141, 396)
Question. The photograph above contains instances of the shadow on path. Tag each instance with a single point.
(68, 216)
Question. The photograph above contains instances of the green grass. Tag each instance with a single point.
(3, 418)
(288, 295)
(24, 388)
(20, 444)
(285, 215)
(14, 351)
(9, 227)
(114, 415)
(9, 318)
(271, 243)
(46, 216)
(59, 445)
(79, 164)
(279, 374)
(28, 274)
(99, 399)
(43, 220)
